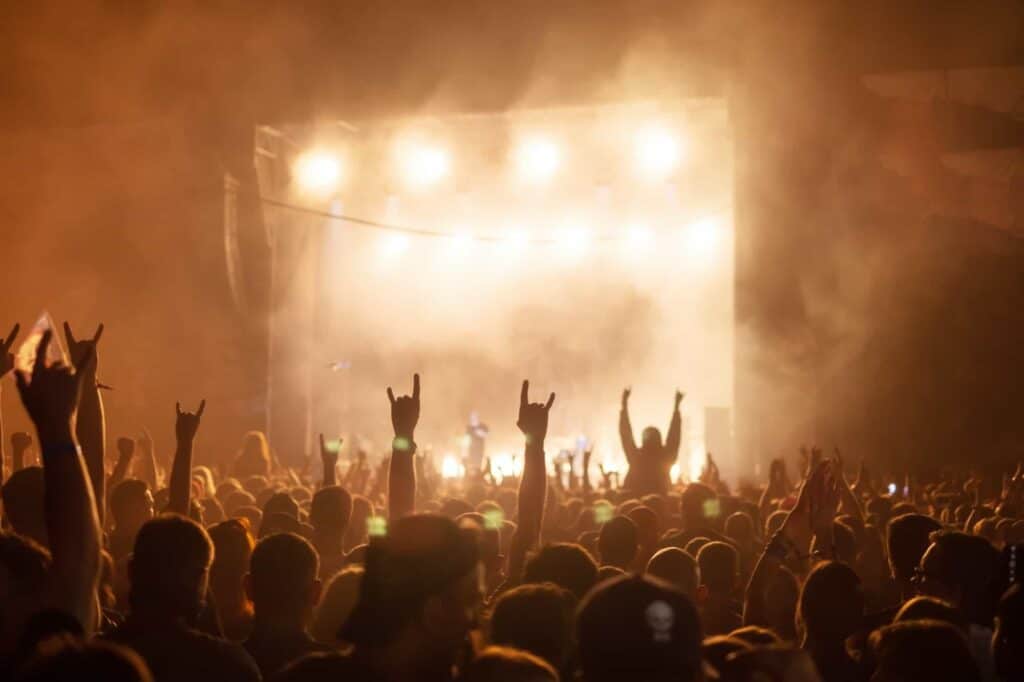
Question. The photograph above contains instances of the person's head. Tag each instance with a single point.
(279, 522)
(740, 527)
(929, 608)
(282, 581)
(330, 510)
(718, 564)
(617, 543)
(638, 627)
(281, 503)
(699, 506)
(1008, 637)
(169, 569)
(24, 571)
(256, 449)
(536, 618)
(233, 544)
(922, 650)
(66, 659)
(908, 538)
(677, 568)
(337, 603)
(831, 603)
(647, 529)
(650, 439)
(565, 564)
(23, 495)
(502, 664)
(963, 570)
(237, 499)
(131, 504)
(421, 588)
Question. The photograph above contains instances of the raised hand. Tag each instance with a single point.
(329, 458)
(78, 350)
(679, 398)
(125, 447)
(405, 412)
(51, 400)
(625, 397)
(6, 356)
(187, 423)
(533, 417)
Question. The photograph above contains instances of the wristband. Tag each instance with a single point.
(401, 444)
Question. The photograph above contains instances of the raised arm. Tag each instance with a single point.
(148, 465)
(180, 489)
(6, 365)
(405, 414)
(533, 423)
(675, 429)
(125, 453)
(72, 524)
(626, 429)
(329, 459)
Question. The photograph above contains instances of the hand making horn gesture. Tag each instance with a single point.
(80, 349)
(187, 423)
(533, 417)
(405, 413)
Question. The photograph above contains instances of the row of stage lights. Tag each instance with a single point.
(536, 160)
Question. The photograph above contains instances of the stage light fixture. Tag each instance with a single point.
(657, 152)
(424, 165)
(317, 171)
(537, 160)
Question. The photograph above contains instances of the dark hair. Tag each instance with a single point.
(124, 494)
(65, 659)
(171, 557)
(23, 495)
(831, 602)
(331, 508)
(676, 567)
(26, 563)
(693, 505)
(718, 567)
(281, 503)
(617, 543)
(923, 650)
(971, 565)
(501, 664)
(565, 564)
(908, 538)
(535, 618)
(740, 526)
(282, 570)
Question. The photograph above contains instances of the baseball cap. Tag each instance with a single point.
(638, 627)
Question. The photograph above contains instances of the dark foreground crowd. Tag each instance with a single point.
(128, 566)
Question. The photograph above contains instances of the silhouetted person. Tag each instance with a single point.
(23, 504)
(233, 545)
(923, 650)
(169, 572)
(677, 568)
(501, 664)
(721, 613)
(284, 588)
(1008, 638)
(131, 505)
(564, 564)
(537, 619)
(909, 537)
(336, 605)
(617, 543)
(329, 515)
(650, 464)
(70, 660)
(832, 609)
(254, 457)
(638, 628)
(417, 602)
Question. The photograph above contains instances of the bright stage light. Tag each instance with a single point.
(394, 244)
(639, 239)
(424, 165)
(673, 473)
(657, 152)
(317, 171)
(702, 240)
(452, 467)
(696, 461)
(537, 160)
(573, 240)
(514, 242)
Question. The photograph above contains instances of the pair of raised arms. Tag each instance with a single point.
(405, 414)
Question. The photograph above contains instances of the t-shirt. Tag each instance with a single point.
(181, 654)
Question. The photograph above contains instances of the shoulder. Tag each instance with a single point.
(325, 666)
